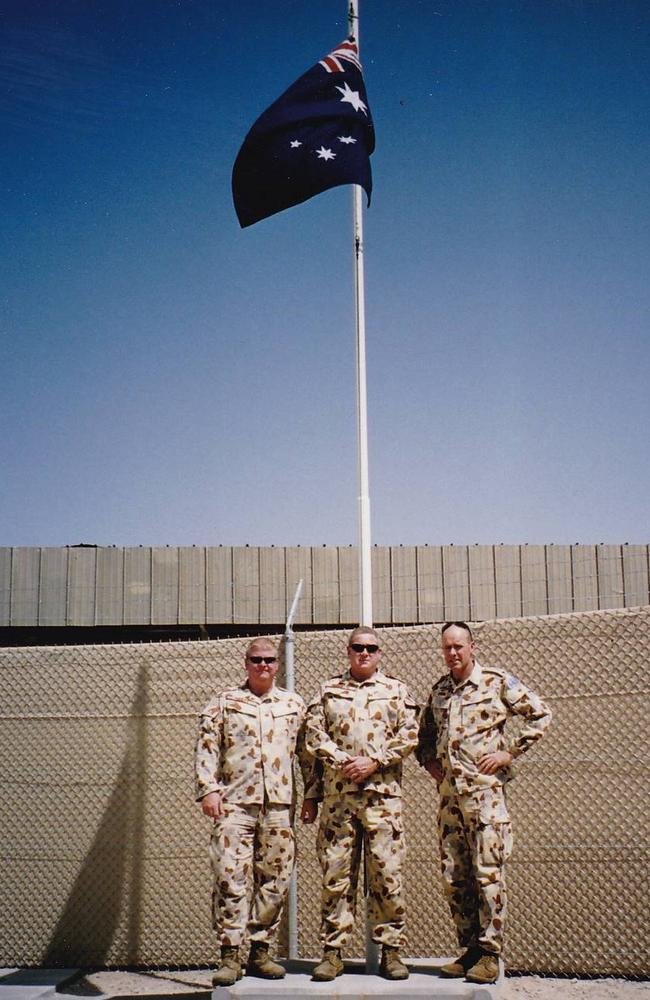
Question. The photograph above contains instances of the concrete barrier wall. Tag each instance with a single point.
(95, 586)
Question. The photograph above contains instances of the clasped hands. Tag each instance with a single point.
(359, 768)
(355, 769)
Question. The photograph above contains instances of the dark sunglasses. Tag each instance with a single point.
(262, 659)
(359, 647)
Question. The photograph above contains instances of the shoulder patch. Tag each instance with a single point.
(512, 681)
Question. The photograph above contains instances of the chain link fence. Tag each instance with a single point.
(103, 854)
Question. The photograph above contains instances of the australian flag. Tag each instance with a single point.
(317, 135)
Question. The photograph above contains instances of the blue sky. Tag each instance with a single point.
(168, 378)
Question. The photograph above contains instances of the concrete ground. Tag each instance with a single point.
(423, 983)
(59, 984)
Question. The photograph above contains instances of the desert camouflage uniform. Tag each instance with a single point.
(245, 751)
(461, 723)
(374, 718)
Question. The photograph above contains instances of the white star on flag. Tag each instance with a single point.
(325, 154)
(352, 97)
(346, 139)
(295, 143)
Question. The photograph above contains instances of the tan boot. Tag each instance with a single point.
(459, 967)
(330, 967)
(392, 967)
(261, 964)
(486, 970)
(230, 969)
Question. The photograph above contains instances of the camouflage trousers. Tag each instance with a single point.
(347, 822)
(250, 842)
(475, 843)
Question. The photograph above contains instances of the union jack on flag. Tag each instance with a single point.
(347, 51)
(317, 135)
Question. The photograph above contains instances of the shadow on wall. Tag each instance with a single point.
(104, 905)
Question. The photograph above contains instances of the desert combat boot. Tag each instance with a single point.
(459, 968)
(486, 970)
(330, 967)
(230, 969)
(261, 964)
(392, 967)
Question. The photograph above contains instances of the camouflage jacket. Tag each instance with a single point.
(462, 722)
(246, 746)
(374, 718)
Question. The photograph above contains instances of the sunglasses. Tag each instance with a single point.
(262, 659)
(359, 647)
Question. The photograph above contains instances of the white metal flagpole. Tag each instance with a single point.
(365, 568)
(290, 681)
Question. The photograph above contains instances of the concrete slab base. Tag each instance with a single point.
(424, 983)
(30, 984)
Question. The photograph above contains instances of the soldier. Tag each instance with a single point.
(361, 725)
(248, 737)
(463, 747)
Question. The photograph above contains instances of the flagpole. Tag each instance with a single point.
(365, 566)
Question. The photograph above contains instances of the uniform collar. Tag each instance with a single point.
(271, 693)
(476, 674)
(473, 678)
(377, 676)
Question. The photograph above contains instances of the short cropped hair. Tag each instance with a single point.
(457, 625)
(363, 630)
(262, 643)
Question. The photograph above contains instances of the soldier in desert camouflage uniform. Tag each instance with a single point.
(248, 737)
(463, 747)
(361, 725)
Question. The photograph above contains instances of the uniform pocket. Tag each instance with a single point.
(240, 723)
(482, 713)
(285, 722)
(338, 709)
(494, 844)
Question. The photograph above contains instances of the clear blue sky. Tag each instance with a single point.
(167, 378)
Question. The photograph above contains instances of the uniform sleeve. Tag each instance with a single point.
(529, 707)
(425, 752)
(310, 767)
(318, 742)
(208, 750)
(405, 738)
